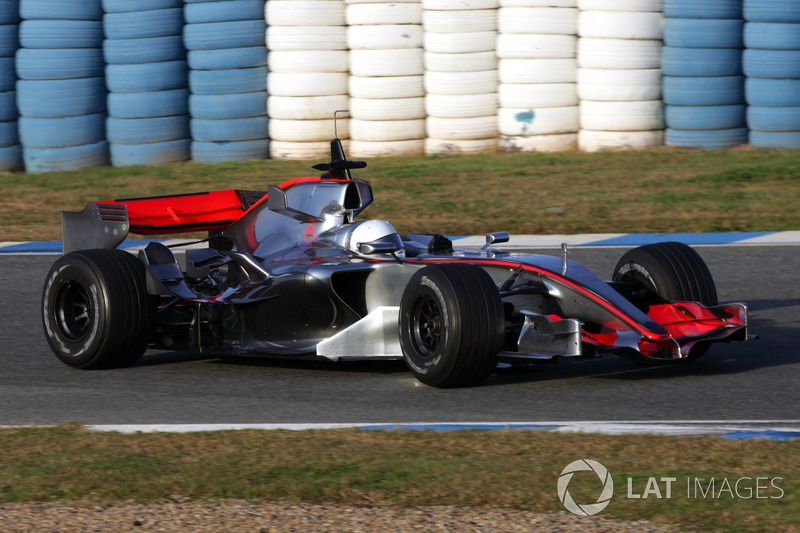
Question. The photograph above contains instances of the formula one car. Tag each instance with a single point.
(289, 272)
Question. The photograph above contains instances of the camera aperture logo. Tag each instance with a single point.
(587, 509)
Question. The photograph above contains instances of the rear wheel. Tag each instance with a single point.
(95, 309)
(451, 325)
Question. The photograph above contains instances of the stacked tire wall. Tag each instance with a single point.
(10, 150)
(61, 93)
(771, 63)
(146, 76)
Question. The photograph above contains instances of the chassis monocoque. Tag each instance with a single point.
(290, 272)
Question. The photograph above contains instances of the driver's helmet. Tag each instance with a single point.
(373, 232)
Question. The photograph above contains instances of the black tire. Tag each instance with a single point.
(95, 309)
(451, 325)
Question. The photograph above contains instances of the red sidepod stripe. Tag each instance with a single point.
(286, 184)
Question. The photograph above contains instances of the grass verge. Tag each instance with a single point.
(663, 190)
(408, 468)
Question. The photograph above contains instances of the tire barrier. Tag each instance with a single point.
(619, 76)
(308, 73)
(386, 46)
(459, 45)
(10, 149)
(537, 94)
(228, 79)
(703, 86)
(60, 92)
(771, 64)
(146, 71)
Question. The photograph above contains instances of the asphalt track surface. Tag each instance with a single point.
(756, 380)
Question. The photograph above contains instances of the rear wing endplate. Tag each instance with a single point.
(97, 226)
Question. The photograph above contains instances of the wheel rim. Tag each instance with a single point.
(426, 326)
(73, 311)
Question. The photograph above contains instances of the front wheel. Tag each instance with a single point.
(95, 309)
(451, 325)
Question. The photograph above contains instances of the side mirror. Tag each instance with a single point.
(276, 201)
(494, 238)
(370, 248)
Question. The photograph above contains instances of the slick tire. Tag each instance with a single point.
(95, 309)
(451, 325)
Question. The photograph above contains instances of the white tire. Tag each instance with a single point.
(367, 149)
(460, 43)
(305, 107)
(462, 129)
(387, 108)
(544, 121)
(348, 2)
(456, 5)
(536, 46)
(460, 82)
(306, 130)
(537, 70)
(461, 106)
(291, 38)
(548, 20)
(619, 85)
(302, 150)
(561, 142)
(387, 130)
(538, 3)
(304, 13)
(387, 87)
(537, 95)
(622, 116)
(471, 62)
(451, 146)
(459, 21)
(306, 83)
(308, 61)
(620, 25)
(597, 141)
(384, 36)
(397, 62)
(619, 53)
(382, 13)
(620, 5)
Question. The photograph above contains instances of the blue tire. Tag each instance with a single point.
(224, 11)
(61, 9)
(772, 93)
(228, 58)
(775, 119)
(702, 91)
(701, 61)
(8, 74)
(217, 152)
(61, 34)
(126, 155)
(772, 10)
(62, 132)
(772, 36)
(232, 81)
(710, 117)
(142, 24)
(703, 33)
(216, 35)
(768, 139)
(11, 158)
(222, 106)
(237, 129)
(59, 64)
(9, 12)
(706, 140)
(8, 134)
(71, 158)
(141, 77)
(61, 98)
(146, 50)
(9, 40)
(148, 104)
(124, 6)
(147, 130)
(8, 106)
(703, 9)
(771, 63)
